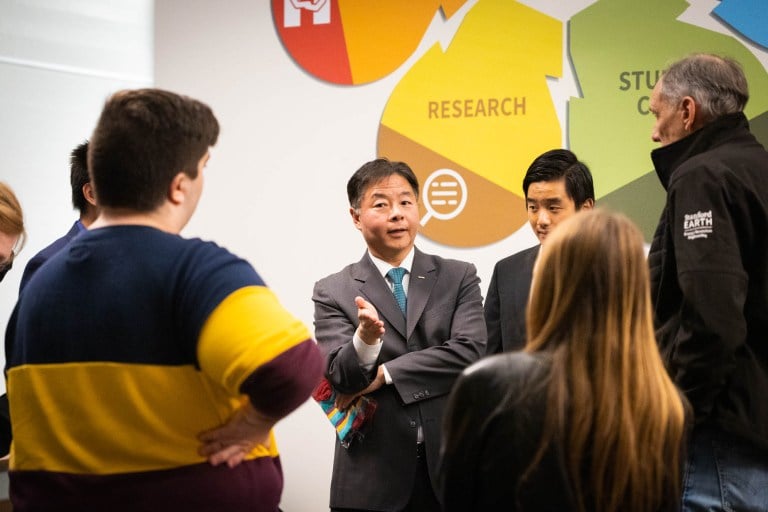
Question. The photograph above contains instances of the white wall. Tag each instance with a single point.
(58, 63)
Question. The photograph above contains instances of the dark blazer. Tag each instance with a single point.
(443, 334)
(45, 254)
(507, 301)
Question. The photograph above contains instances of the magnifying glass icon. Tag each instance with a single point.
(444, 195)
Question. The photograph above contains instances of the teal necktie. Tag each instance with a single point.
(396, 276)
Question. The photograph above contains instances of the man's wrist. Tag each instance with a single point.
(367, 354)
(368, 340)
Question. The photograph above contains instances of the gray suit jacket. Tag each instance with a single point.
(444, 333)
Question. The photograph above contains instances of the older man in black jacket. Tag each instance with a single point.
(709, 273)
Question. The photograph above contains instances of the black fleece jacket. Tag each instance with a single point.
(709, 274)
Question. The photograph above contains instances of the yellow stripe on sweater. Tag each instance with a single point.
(103, 418)
(248, 329)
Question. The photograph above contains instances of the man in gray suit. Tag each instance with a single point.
(401, 339)
(556, 186)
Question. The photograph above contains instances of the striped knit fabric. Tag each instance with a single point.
(348, 423)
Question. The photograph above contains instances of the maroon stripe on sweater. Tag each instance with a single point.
(284, 383)
(253, 486)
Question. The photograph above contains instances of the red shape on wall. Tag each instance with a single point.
(313, 34)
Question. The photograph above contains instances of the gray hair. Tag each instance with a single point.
(717, 84)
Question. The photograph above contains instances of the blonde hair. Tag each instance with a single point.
(611, 404)
(11, 216)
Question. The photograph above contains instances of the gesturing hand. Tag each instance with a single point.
(370, 329)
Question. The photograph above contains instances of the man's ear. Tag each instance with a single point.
(88, 193)
(688, 112)
(588, 204)
(355, 214)
(177, 191)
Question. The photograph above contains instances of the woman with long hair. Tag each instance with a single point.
(585, 418)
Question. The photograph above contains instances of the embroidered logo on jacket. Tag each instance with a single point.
(697, 225)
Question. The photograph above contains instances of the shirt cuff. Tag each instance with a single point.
(387, 376)
(367, 354)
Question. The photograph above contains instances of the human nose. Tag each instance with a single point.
(396, 212)
(543, 218)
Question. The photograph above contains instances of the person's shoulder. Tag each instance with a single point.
(718, 161)
(502, 366)
(51, 249)
(507, 373)
(348, 272)
(208, 253)
(198, 244)
(519, 265)
(193, 259)
(45, 254)
(513, 260)
(205, 264)
(441, 262)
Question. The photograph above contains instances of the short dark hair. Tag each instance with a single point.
(78, 176)
(374, 171)
(559, 164)
(143, 139)
(716, 83)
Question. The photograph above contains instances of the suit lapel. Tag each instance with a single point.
(422, 280)
(375, 289)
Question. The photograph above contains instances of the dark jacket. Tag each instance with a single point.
(507, 300)
(492, 432)
(709, 274)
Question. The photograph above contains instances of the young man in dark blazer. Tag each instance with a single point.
(406, 356)
(82, 198)
(556, 186)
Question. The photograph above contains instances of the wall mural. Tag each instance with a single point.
(469, 118)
